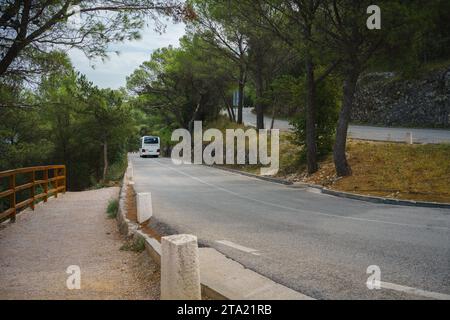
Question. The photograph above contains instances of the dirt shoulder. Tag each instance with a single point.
(36, 251)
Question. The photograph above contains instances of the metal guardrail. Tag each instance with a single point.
(52, 182)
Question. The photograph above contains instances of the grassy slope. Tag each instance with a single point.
(415, 172)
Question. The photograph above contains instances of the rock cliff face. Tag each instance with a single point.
(383, 99)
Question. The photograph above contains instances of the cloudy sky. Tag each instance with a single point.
(113, 72)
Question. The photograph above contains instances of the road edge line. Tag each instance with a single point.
(217, 288)
(251, 175)
(341, 194)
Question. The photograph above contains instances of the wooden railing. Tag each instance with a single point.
(43, 182)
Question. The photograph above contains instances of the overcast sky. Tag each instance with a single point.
(113, 72)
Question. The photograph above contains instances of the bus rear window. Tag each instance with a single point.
(151, 140)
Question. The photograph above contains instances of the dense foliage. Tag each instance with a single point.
(71, 122)
(300, 59)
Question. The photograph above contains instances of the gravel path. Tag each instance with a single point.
(72, 230)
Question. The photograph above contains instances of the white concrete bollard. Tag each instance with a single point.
(409, 138)
(180, 268)
(144, 206)
(130, 173)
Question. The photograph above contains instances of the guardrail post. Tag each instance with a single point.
(46, 184)
(409, 138)
(12, 199)
(180, 268)
(130, 172)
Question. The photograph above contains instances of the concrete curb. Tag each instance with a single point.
(398, 202)
(270, 179)
(221, 278)
(342, 194)
(373, 199)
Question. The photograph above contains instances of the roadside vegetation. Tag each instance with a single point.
(415, 172)
(300, 62)
(392, 170)
(113, 208)
(49, 112)
(135, 244)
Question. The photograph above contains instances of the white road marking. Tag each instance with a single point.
(238, 247)
(414, 291)
(301, 211)
(314, 190)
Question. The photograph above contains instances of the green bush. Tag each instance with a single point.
(117, 169)
(327, 113)
(113, 208)
(136, 244)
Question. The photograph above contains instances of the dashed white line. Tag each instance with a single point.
(414, 291)
(238, 247)
(302, 211)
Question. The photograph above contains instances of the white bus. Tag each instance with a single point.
(150, 146)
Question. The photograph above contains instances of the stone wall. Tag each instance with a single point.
(384, 99)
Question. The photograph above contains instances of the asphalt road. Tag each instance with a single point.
(317, 244)
(365, 132)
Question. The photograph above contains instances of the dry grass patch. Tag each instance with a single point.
(394, 170)
(415, 172)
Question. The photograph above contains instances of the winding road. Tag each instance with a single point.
(317, 244)
(365, 132)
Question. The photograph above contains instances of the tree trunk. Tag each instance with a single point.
(230, 108)
(311, 139)
(12, 54)
(19, 41)
(233, 114)
(259, 108)
(229, 113)
(105, 159)
(340, 160)
(194, 117)
(241, 95)
(273, 118)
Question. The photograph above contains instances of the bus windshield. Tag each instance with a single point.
(151, 140)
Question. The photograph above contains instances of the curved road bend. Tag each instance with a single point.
(365, 132)
(317, 244)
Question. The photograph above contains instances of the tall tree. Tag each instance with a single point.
(346, 33)
(268, 58)
(219, 25)
(28, 26)
(182, 83)
(88, 127)
(295, 22)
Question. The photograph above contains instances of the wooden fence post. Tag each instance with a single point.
(46, 184)
(33, 188)
(12, 185)
(65, 179)
(55, 181)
